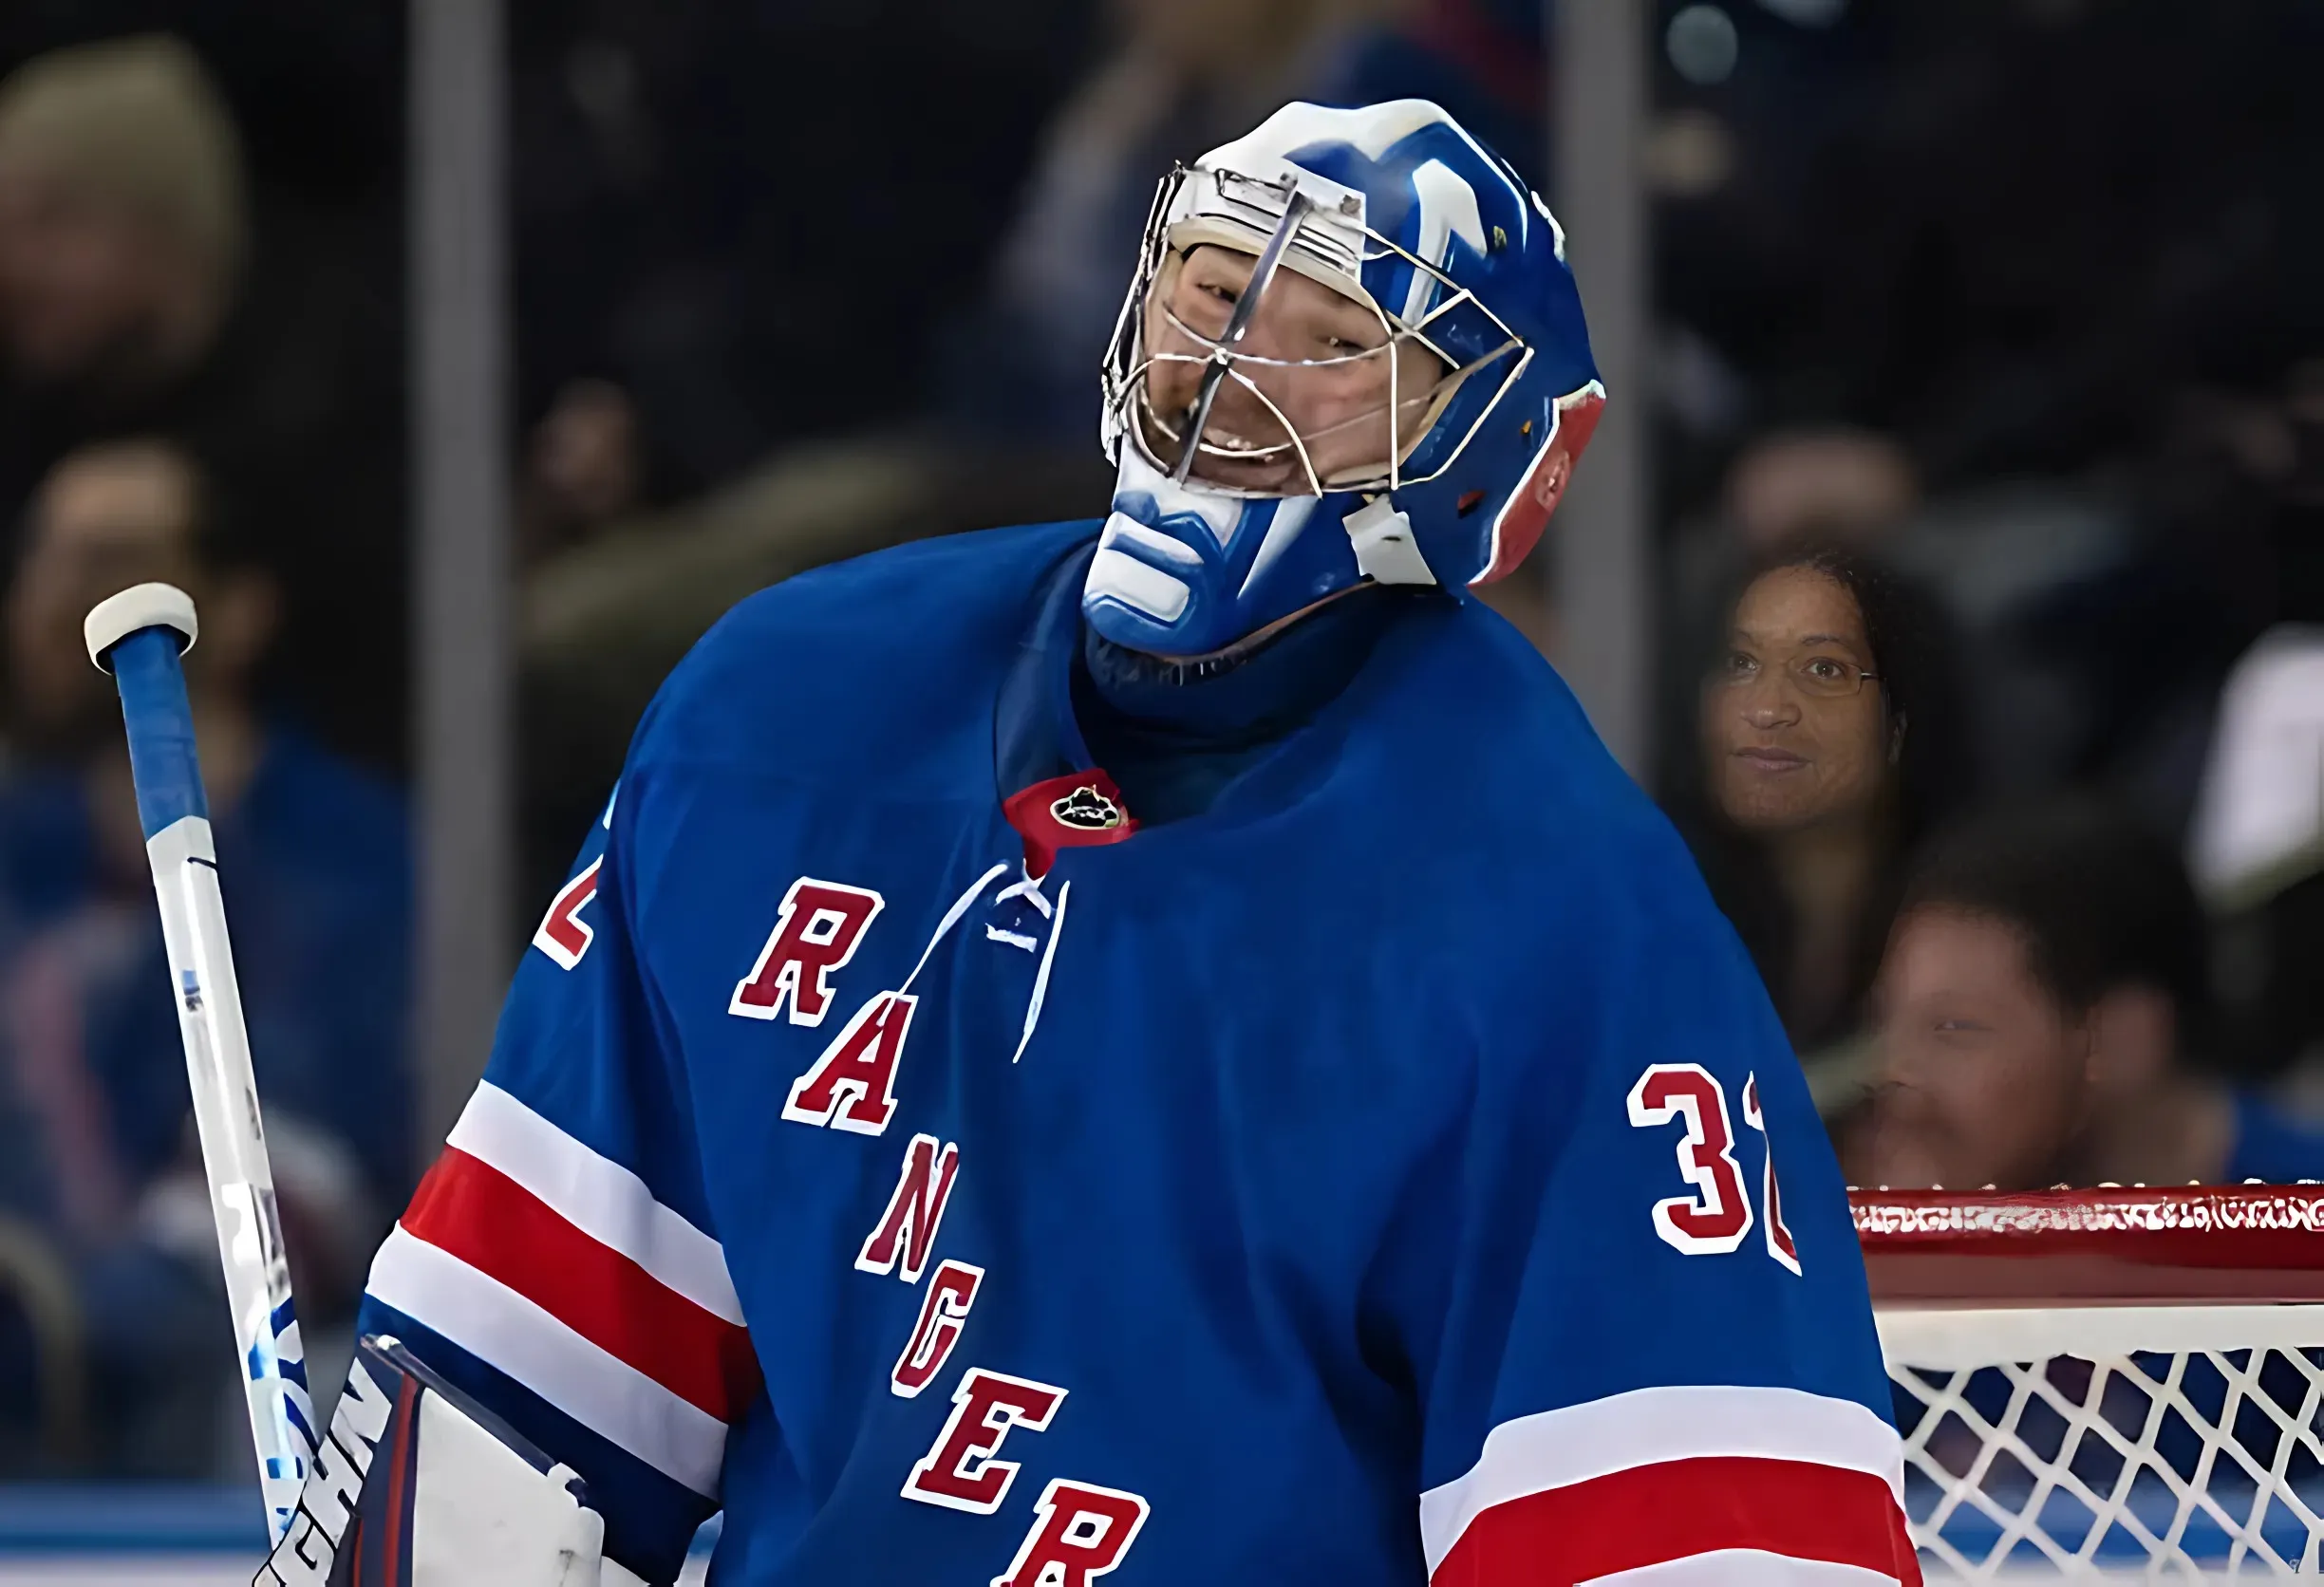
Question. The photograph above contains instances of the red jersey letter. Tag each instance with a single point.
(924, 1185)
(960, 1472)
(815, 933)
(1079, 1532)
(943, 1314)
(564, 936)
(857, 1069)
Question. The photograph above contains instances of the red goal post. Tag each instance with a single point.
(2111, 1245)
(2118, 1382)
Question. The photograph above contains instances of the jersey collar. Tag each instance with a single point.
(1050, 791)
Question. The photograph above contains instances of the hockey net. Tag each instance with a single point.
(2115, 1384)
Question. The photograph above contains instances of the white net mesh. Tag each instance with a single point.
(2146, 1443)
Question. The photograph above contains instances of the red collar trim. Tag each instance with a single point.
(1079, 810)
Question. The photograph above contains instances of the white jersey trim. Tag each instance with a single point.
(597, 1196)
(1744, 1567)
(1647, 1426)
(509, 1332)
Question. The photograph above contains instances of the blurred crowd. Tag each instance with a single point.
(1988, 422)
(1992, 451)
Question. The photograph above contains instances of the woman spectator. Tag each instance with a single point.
(1830, 739)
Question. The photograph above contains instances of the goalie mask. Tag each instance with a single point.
(1352, 351)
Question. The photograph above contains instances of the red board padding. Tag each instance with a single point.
(2200, 1242)
(1677, 1509)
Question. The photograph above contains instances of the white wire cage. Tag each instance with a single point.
(2110, 1385)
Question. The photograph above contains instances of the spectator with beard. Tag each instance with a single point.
(95, 1155)
(2047, 1017)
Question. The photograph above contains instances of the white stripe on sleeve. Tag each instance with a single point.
(506, 1330)
(1645, 1426)
(1744, 1567)
(597, 1196)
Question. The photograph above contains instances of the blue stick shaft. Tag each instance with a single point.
(175, 815)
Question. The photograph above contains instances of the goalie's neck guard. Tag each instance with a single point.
(1395, 208)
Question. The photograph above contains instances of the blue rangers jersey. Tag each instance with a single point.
(1392, 1175)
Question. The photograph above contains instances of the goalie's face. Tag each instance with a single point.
(1314, 370)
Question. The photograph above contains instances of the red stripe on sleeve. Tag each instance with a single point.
(1674, 1509)
(471, 1210)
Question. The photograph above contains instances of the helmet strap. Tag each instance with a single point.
(1385, 549)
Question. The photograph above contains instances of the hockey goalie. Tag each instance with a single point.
(1164, 1048)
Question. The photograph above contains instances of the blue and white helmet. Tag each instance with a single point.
(1397, 207)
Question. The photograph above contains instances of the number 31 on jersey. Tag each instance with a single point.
(1718, 1216)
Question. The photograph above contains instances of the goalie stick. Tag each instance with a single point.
(416, 1486)
(138, 635)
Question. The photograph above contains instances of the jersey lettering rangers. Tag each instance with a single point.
(1392, 1175)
